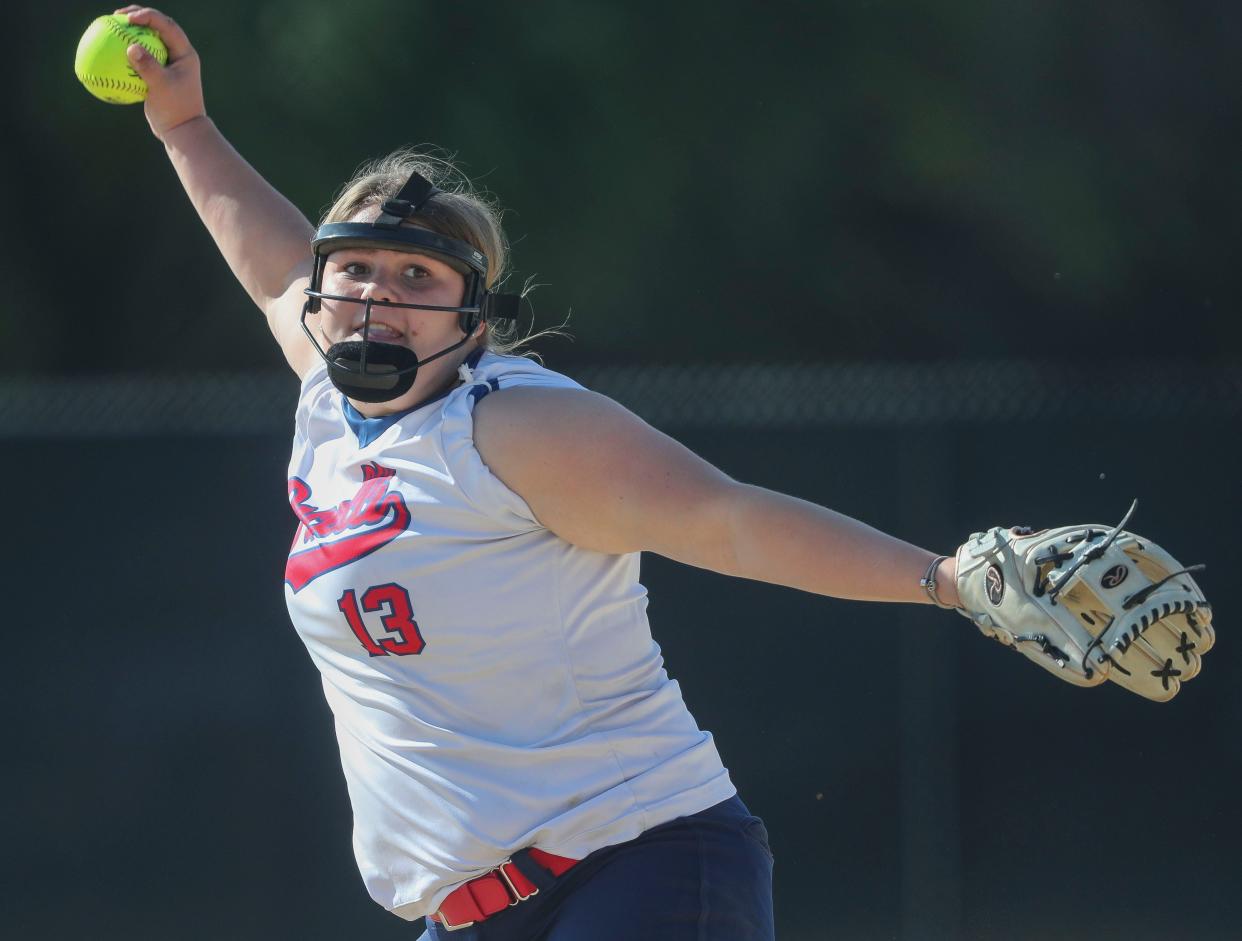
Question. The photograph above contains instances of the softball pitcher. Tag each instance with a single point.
(465, 568)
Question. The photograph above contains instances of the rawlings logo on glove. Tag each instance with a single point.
(1089, 604)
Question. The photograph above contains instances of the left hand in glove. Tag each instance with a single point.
(1088, 603)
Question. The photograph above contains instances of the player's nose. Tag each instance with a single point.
(373, 290)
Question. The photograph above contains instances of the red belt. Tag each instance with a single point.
(494, 891)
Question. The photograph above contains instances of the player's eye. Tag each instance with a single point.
(354, 268)
(415, 272)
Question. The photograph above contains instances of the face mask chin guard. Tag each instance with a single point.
(371, 371)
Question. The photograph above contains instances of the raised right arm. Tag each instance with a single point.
(263, 237)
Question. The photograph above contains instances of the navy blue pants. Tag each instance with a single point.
(706, 877)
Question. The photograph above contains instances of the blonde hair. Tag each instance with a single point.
(459, 211)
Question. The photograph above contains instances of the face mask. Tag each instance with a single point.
(373, 371)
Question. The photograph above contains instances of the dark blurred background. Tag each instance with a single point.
(936, 265)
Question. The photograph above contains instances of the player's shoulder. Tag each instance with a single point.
(506, 371)
(535, 404)
(521, 389)
(552, 421)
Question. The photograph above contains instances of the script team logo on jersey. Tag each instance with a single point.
(329, 538)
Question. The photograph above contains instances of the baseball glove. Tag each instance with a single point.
(1088, 603)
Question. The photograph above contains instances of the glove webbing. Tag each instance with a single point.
(1091, 554)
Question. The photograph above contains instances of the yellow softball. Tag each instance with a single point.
(101, 64)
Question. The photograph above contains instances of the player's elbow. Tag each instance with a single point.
(704, 532)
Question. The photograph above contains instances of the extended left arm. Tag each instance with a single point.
(781, 539)
(603, 479)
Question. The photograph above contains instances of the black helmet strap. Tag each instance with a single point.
(412, 196)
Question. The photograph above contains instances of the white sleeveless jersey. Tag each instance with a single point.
(493, 686)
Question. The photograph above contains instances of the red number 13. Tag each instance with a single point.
(398, 620)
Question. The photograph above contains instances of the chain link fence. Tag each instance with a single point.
(695, 396)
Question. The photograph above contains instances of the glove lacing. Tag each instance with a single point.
(1141, 595)
(1091, 554)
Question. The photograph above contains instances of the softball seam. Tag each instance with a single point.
(130, 36)
(113, 84)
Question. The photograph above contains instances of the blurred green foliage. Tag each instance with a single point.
(734, 182)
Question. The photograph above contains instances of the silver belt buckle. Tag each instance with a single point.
(445, 922)
(515, 895)
(513, 890)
